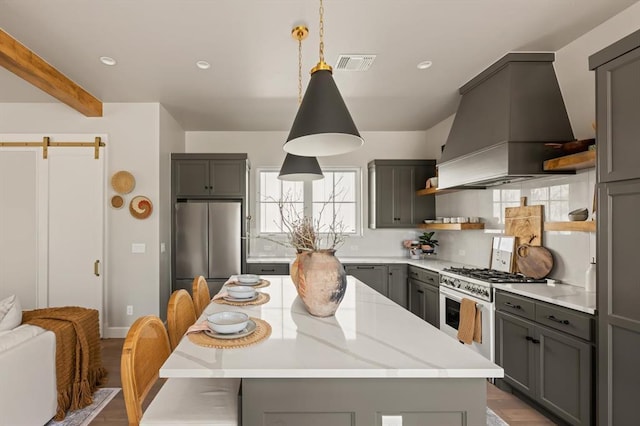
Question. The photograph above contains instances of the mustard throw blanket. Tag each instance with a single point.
(79, 368)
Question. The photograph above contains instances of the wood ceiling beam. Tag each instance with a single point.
(24, 63)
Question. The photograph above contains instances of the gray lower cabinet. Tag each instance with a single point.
(207, 175)
(268, 268)
(544, 359)
(375, 276)
(424, 298)
(393, 202)
(398, 284)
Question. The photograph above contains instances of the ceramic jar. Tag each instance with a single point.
(321, 281)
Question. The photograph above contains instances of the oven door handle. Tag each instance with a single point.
(457, 297)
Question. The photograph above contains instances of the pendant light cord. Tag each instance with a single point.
(321, 32)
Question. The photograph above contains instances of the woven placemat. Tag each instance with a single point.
(263, 331)
(260, 300)
(263, 283)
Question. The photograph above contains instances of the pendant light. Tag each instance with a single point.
(295, 167)
(323, 125)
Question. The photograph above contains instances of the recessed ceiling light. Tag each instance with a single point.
(424, 65)
(203, 65)
(108, 60)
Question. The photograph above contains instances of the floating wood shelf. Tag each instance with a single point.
(581, 160)
(451, 226)
(583, 226)
(435, 191)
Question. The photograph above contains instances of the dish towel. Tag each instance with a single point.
(197, 327)
(470, 327)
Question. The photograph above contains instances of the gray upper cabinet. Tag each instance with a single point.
(214, 175)
(618, 109)
(618, 293)
(393, 202)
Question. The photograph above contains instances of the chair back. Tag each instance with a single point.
(180, 316)
(201, 295)
(145, 349)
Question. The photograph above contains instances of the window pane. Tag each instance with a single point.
(559, 192)
(323, 188)
(323, 216)
(292, 191)
(345, 184)
(346, 213)
(511, 195)
(540, 194)
(269, 186)
(269, 218)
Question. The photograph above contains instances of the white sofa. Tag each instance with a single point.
(28, 394)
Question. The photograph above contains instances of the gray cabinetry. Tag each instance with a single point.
(398, 284)
(218, 175)
(393, 202)
(424, 295)
(268, 268)
(375, 276)
(542, 359)
(618, 294)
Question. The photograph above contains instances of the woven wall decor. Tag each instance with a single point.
(140, 207)
(123, 182)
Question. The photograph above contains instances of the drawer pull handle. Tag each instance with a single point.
(268, 270)
(559, 321)
(364, 267)
(420, 291)
(511, 305)
(532, 340)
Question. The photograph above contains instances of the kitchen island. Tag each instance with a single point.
(372, 359)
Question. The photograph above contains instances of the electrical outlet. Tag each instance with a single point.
(391, 420)
(163, 247)
(461, 252)
(138, 247)
(129, 309)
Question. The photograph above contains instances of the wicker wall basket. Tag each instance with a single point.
(123, 182)
(140, 207)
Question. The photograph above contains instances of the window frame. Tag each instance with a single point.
(307, 196)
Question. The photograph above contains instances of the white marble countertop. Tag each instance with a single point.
(370, 336)
(566, 295)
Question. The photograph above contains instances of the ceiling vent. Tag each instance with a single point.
(354, 62)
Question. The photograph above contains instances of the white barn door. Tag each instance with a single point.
(76, 227)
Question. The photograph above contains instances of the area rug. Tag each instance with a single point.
(83, 417)
(494, 420)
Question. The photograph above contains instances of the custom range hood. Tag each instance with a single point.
(505, 117)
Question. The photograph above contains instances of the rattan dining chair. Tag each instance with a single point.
(180, 401)
(201, 295)
(180, 316)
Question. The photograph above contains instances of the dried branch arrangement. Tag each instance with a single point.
(304, 233)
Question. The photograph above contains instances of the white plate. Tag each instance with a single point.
(248, 284)
(251, 327)
(241, 299)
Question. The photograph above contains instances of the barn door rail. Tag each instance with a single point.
(46, 143)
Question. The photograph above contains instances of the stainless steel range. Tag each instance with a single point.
(474, 284)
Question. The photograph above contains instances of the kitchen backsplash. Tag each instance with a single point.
(572, 251)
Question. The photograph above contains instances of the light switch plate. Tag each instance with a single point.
(138, 248)
(163, 247)
(391, 420)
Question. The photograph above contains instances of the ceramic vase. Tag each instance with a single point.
(321, 281)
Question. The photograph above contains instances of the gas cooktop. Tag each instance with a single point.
(493, 276)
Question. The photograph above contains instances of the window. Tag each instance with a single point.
(332, 201)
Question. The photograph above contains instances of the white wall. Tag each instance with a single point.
(572, 250)
(265, 150)
(572, 67)
(130, 279)
(171, 140)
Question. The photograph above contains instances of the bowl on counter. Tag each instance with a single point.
(578, 215)
(248, 278)
(227, 322)
(241, 292)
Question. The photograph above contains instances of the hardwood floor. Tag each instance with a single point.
(512, 410)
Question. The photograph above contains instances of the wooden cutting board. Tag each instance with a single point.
(534, 262)
(524, 223)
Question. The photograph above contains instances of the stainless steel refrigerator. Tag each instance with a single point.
(209, 242)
